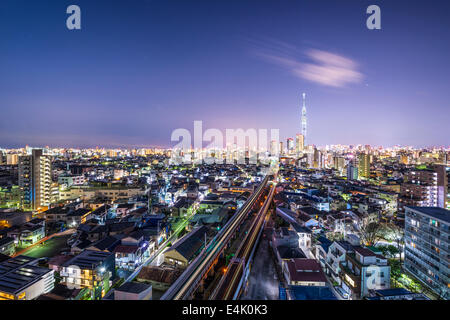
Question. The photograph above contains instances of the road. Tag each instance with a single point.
(53, 244)
(263, 280)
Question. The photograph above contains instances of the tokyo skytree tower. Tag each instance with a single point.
(304, 118)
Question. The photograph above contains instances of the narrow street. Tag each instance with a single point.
(263, 279)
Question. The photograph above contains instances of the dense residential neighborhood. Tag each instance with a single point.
(126, 224)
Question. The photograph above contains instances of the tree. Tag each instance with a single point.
(396, 270)
(389, 251)
(391, 232)
(370, 233)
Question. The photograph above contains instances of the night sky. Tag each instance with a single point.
(140, 69)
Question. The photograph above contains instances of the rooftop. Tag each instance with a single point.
(435, 212)
(133, 287)
(311, 293)
(159, 274)
(190, 243)
(89, 259)
(18, 273)
(365, 252)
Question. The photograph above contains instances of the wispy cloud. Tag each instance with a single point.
(322, 67)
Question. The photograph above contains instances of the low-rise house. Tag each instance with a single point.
(284, 253)
(60, 213)
(192, 192)
(312, 212)
(107, 244)
(364, 270)
(321, 250)
(181, 207)
(141, 239)
(306, 221)
(161, 278)
(101, 213)
(186, 248)
(133, 291)
(56, 214)
(77, 217)
(90, 269)
(92, 232)
(124, 208)
(304, 272)
(56, 263)
(337, 222)
(22, 279)
(304, 235)
(30, 234)
(121, 228)
(285, 237)
(79, 246)
(336, 254)
(137, 215)
(128, 256)
(61, 292)
(7, 246)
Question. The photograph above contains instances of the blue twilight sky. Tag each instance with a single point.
(139, 69)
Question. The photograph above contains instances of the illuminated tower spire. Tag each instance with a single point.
(304, 117)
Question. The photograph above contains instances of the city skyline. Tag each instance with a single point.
(247, 152)
(131, 82)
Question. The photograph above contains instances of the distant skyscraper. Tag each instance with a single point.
(304, 122)
(318, 159)
(35, 179)
(352, 172)
(273, 148)
(12, 159)
(290, 145)
(338, 163)
(425, 187)
(300, 142)
(364, 165)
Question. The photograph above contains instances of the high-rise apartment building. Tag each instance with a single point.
(12, 159)
(364, 165)
(35, 179)
(274, 148)
(300, 142)
(338, 163)
(318, 161)
(352, 171)
(2, 157)
(425, 187)
(427, 247)
(281, 148)
(290, 145)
